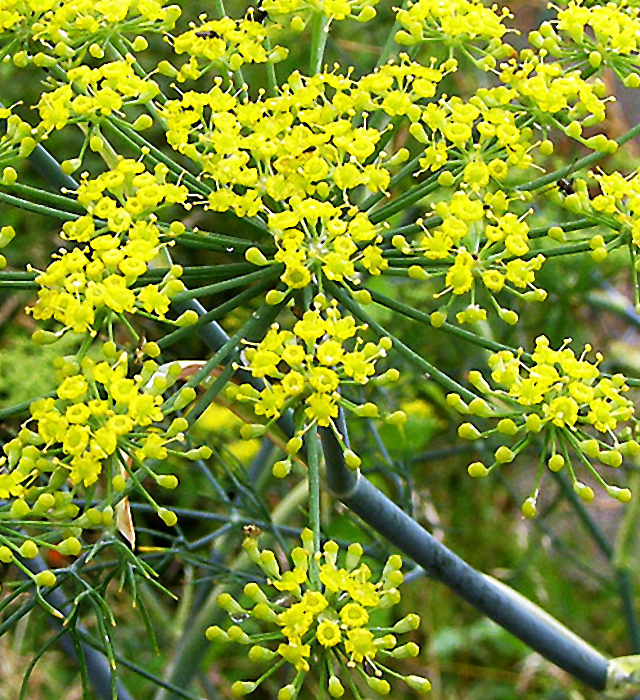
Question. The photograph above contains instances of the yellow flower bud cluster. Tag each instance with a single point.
(228, 42)
(457, 20)
(298, 148)
(561, 398)
(121, 239)
(360, 10)
(58, 27)
(608, 33)
(93, 93)
(304, 369)
(325, 617)
(100, 423)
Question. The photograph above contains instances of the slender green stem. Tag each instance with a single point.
(37, 208)
(319, 34)
(313, 457)
(222, 286)
(216, 313)
(405, 351)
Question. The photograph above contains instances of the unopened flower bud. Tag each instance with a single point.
(477, 470)
(529, 509)
(468, 431)
(408, 623)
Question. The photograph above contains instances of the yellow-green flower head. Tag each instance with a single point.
(101, 425)
(231, 43)
(103, 91)
(616, 28)
(426, 20)
(360, 10)
(306, 366)
(70, 23)
(120, 240)
(565, 399)
(324, 619)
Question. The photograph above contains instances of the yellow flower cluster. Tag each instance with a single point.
(610, 31)
(101, 422)
(93, 93)
(67, 24)
(457, 20)
(562, 398)
(360, 10)
(305, 367)
(286, 156)
(558, 97)
(230, 43)
(16, 142)
(121, 239)
(327, 619)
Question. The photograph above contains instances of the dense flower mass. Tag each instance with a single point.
(563, 399)
(102, 425)
(119, 238)
(325, 618)
(305, 368)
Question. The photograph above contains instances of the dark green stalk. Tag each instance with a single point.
(505, 606)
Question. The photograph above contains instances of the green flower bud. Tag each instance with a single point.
(418, 683)
(255, 257)
(590, 448)
(622, 495)
(529, 509)
(533, 423)
(294, 445)
(215, 634)
(45, 578)
(167, 516)
(167, 481)
(178, 425)
(406, 651)
(287, 692)
(281, 468)
(258, 654)
(504, 455)
(28, 549)
(556, 463)
(351, 459)
(238, 635)
(612, 458)
(479, 407)
(378, 685)
(263, 611)
(479, 381)
(408, 623)
(456, 402)
(336, 689)
(507, 427)
(419, 273)
(477, 470)
(468, 431)
(275, 297)
(70, 547)
(585, 492)
(240, 688)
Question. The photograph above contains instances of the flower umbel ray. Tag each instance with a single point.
(326, 623)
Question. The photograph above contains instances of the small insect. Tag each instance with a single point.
(208, 34)
(565, 186)
(256, 14)
(252, 530)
